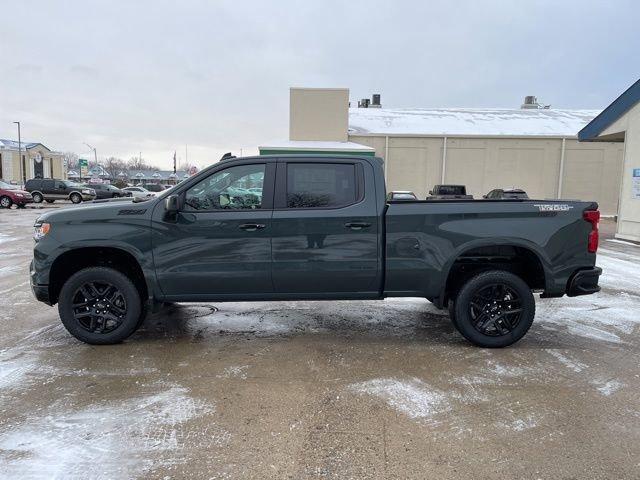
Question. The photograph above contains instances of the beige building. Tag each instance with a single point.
(37, 161)
(531, 148)
(620, 122)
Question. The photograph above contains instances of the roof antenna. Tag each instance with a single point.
(227, 156)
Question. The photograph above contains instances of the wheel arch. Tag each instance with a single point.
(116, 257)
(519, 256)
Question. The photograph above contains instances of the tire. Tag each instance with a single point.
(480, 306)
(50, 201)
(75, 198)
(37, 197)
(100, 327)
(5, 202)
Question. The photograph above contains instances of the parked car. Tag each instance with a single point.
(11, 194)
(104, 190)
(401, 195)
(506, 193)
(154, 187)
(139, 192)
(52, 189)
(449, 192)
(320, 230)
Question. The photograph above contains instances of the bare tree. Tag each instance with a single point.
(71, 159)
(138, 163)
(114, 166)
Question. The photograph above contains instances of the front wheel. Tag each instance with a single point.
(5, 202)
(100, 306)
(75, 198)
(494, 309)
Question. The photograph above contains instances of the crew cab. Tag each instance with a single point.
(311, 227)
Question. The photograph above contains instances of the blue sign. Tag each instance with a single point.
(636, 172)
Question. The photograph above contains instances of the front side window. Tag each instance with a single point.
(234, 188)
(320, 185)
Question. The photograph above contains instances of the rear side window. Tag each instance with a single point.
(47, 185)
(321, 185)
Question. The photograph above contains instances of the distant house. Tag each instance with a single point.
(152, 176)
(38, 161)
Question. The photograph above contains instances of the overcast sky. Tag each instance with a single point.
(153, 76)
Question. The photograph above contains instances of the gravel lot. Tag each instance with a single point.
(320, 389)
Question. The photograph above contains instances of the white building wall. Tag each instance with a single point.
(590, 171)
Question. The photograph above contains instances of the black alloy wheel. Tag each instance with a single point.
(493, 309)
(99, 307)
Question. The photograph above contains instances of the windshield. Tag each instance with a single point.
(7, 186)
(451, 190)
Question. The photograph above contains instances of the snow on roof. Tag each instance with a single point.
(469, 121)
(13, 144)
(315, 145)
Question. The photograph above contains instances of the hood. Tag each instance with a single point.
(98, 211)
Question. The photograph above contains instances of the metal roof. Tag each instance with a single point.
(613, 112)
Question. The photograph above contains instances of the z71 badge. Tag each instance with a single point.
(553, 207)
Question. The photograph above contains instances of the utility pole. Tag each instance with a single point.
(22, 179)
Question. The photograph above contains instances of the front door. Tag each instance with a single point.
(219, 243)
(325, 230)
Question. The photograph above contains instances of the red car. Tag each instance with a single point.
(10, 194)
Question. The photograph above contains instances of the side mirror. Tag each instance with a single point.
(171, 204)
(484, 196)
(430, 192)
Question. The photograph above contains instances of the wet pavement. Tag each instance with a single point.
(320, 389)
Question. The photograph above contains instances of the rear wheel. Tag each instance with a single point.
(494, 309)
(37, 197)
(100, 306)
(5, 202)
(75, 198)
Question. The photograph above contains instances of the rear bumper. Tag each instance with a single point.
(584, 282)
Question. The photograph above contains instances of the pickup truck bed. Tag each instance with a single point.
(311, 227)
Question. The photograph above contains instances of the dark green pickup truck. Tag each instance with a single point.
(311, 227)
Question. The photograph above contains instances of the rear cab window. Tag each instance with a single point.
(322, 185)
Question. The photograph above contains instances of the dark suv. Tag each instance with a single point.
(52, 189)
(104, 190)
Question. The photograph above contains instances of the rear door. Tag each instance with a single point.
(325, 229)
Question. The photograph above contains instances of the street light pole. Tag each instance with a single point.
(20, 161)
(95, 153)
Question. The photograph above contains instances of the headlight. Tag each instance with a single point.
(86, 191)
(19, 195)
(41, 230)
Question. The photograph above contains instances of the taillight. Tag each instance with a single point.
(593, 217)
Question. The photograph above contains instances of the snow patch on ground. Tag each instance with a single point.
(609, 387)
(413, 397)
(574, 365)
(234, 371)
(115, 439)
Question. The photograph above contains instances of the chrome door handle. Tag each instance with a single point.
(357, 225)
(252, 227)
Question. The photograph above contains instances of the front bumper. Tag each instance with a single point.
(584, 282)
(41, 292)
